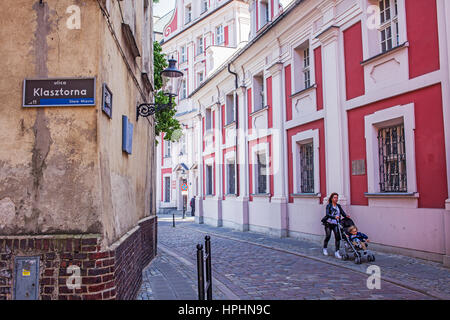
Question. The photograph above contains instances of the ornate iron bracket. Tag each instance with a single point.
(148, 109)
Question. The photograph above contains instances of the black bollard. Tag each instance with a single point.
(173, 220)
(200, 274)
(208, 268)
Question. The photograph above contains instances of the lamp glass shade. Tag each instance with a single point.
(172, 78)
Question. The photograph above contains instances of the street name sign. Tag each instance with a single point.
(71, 92)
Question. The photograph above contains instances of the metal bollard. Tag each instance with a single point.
(208, 268)
(173, 220)
(201, 280)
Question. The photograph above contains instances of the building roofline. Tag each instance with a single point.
(195, 22)
(239, 52)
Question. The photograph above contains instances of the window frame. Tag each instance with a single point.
(230, 159)
(297, 140)
(209, 177)
(220, 36)
(187, 14)
(259, 149)
(169, 190)
(385, 118)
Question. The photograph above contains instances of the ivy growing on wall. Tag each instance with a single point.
(165, 119)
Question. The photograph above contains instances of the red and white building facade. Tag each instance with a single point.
(201, 35)
(347, 96)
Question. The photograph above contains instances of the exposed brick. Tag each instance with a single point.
(50, 255)
(49, 290)
(46, 297)
(108, 262)
(23, 244)
(47, 281)
(65, 289)
(107, 277)
(96, 296)
(98, 255)
(88, 248)
(75, 297)
(98, 271)
(89, 241)
(91, 280)
(49, 272)
(88, 264)
(69, 245)
(38, 244)
(80, 256)
(96, 288)
(30, 245)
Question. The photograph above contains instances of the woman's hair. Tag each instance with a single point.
(331, 196)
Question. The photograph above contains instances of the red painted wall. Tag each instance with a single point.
(251, 144)
(288, 91)
(318, 124)
(319, 77)
(429, 145)
(225, 31)
(422, 30)
(269, 101)
(353, 51)
(173, 25)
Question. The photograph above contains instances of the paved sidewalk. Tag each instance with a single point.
(248, 265)
(423, 276)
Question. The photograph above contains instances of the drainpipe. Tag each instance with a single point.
(237, 127)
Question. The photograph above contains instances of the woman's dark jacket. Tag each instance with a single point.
(330, 212)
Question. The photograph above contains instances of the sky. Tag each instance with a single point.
(164, 6)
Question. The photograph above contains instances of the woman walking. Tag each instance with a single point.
(333, 213)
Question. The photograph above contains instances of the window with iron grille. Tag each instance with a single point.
(261, 171)
(392, 158)
(306, 168)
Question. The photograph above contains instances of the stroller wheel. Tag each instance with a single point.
(357, 260)
(371, 257)
(345, 257)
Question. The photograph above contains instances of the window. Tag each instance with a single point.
(229, 109)
(188, 14)
(183, 94)
(200, 77)
(261, 172)
(204, 6)
(200, 43)
(306, 71)
(182, 145)
(167, 147)
(183, 54)
(220, 39)
(302, 67)
(264, 12)
(231, 176)
(392, 159)
(389, 28)
(208, 119)
(259, 97)
(166, 189)
(306, 168)
(209, 180)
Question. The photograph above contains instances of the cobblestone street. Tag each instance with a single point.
(247, 265)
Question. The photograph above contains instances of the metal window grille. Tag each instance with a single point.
(261, 170)
(392, 157)
(306, 168)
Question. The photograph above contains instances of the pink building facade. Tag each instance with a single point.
(346, 96)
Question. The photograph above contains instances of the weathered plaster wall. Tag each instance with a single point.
(47, 156)
(125, 179)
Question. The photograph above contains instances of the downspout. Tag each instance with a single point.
(237, 127)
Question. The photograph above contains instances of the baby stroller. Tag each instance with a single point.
(348, 249)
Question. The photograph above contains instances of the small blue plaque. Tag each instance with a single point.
(127, 135)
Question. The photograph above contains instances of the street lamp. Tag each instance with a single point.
(172, 78)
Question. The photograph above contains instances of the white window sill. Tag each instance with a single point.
(384, 54)
(261, 195)
(311, 87)
(306, 195)
(405, 195)
(254, 113)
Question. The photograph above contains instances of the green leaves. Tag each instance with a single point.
(165, 121)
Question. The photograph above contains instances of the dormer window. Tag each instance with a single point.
(220, 39)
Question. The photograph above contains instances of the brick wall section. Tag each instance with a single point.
(106, 274)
